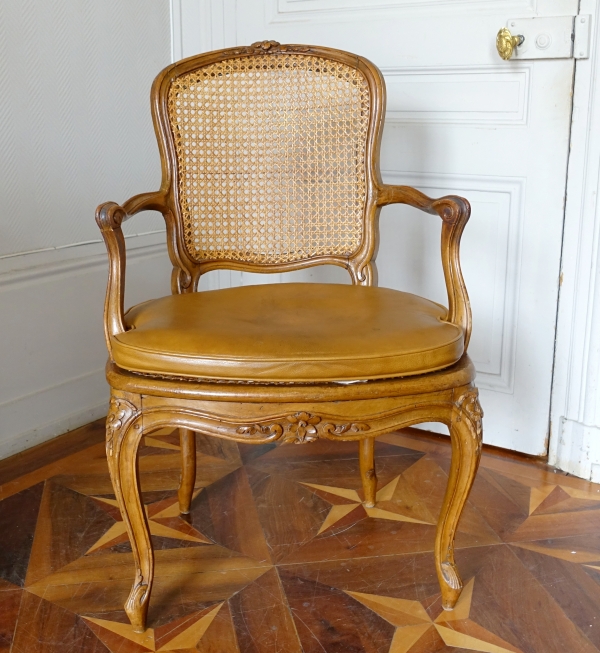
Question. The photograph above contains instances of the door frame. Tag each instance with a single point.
(574, 431)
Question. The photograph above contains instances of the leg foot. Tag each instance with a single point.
(367, 471)
(187, 440)
(136, 606)
(466, 434)
(123, 435)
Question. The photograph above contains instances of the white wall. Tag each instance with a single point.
(575, 419)
(75, 130)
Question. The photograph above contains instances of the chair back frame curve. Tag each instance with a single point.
(187, 271)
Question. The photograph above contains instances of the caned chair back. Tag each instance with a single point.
(270, 158)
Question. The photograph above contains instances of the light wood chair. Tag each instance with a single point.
(270, 163)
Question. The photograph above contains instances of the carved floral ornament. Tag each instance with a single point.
(270, 47)
(302, 427)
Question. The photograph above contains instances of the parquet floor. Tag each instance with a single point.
(279, 555)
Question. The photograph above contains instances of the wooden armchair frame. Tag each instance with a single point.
(293, 412)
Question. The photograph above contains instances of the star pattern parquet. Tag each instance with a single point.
(278, 554)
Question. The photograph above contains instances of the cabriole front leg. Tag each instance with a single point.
(466, 435)
(123, 435)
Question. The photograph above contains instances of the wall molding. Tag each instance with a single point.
(200, 26)
(506, 101)
(575, 411)
(33, 267)
(283, 11)
(40, 415)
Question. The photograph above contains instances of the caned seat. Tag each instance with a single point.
(270, 163)
(296, 332)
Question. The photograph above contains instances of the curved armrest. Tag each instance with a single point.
(454, 212)
(109, 217)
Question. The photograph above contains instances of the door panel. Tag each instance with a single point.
(462, 121)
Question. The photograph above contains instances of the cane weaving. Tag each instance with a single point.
(271, 158)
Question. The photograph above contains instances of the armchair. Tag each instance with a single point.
(270, 163)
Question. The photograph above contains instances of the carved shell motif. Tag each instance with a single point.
(119, 413)
(468, 403)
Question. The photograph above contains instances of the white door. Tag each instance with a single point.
(459, 120)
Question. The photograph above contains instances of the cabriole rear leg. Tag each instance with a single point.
(367, 471)
(187, 440)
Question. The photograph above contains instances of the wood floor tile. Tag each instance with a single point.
(279, 554)
(344, 473)
(262, 619)
(179, 634)
(220, 636)
(571, 586)
(206, 573)
(18, 519)
(503, 508)
(575, 548)
(429, 642)
(539, 527)
(44, 627)
(91, 460)
(68, 525)
(290, 514)
(226, 513)
(329, 619)
(528, 606)
(411, 577)
(10, 602)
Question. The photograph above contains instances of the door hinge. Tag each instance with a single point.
(582, 37)
(552, 37)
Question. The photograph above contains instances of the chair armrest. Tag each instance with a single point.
(454, 212)
(110, 217)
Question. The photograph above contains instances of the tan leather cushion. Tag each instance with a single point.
(289, 332)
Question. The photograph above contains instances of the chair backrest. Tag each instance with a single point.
(270, 158)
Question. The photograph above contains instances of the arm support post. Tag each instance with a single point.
(454, 212)
(110, 217)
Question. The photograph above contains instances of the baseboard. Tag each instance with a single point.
(576, 450)
(51, 451)
(40, 416)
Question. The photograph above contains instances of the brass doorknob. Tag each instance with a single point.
(506, 43)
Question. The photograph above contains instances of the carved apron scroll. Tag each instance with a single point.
(302, 427)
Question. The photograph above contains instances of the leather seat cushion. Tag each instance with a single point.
(288, 332)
